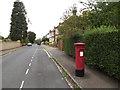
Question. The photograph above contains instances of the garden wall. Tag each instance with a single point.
(9, 45)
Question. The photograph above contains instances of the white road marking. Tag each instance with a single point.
(68, 83)
(61, 70)
(21, 86)
(29, 64)
(27, 71)
(47, 53)
(35, 52)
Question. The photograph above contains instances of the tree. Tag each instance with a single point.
(68, 13)
(1, 37)
(102, 13)
(18, 29)
(31, 36)
(44, 39)
(38, 40)
(74, 24)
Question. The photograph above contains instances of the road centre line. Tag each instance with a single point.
(21, 86)
(29, 64)
(27, 71)
(35, 52)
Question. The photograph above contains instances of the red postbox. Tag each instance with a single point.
(80, 52)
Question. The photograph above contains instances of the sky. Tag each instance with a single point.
(43, 14)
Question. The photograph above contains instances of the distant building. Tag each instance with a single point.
(53, 34)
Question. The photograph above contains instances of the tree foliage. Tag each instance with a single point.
(1, 37)
(18, 29)
(44, 39)
(31, 36)
(70, 26)
(95, 14)
(103, 13)
(38, 40)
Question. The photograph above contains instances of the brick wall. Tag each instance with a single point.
(60, 45)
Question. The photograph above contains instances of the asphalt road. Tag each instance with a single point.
(30, 67)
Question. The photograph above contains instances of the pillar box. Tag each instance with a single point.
(80, 53)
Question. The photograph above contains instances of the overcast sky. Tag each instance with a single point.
(43, 14)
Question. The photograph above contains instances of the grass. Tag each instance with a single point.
(64, 74)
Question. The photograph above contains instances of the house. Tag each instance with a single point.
(53, 34)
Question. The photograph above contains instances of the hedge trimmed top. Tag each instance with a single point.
(102, 29)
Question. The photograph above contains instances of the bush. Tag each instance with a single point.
(55, 44)
(59, 38)
(102, 50)
(48, 43)
(68, 43)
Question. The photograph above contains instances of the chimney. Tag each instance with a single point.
(74, 11)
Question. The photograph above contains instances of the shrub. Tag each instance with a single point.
(68, 43)
(48, 43)
(59, 38)
(55, 44)
(102, 50)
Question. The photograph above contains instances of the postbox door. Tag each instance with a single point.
(80, 59)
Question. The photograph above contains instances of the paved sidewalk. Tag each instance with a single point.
(92, 78)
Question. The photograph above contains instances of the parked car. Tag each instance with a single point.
(29, 44)
(38, 43)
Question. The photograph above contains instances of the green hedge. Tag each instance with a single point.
(102, 50)
(102, 46)
(68, 43)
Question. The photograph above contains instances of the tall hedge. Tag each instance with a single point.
(102, 50)
(68, 43)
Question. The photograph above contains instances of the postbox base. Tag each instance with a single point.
(79, 73)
